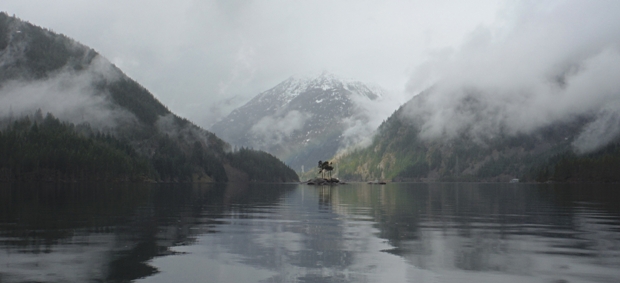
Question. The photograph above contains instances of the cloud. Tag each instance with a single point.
(360, 128)
(67, 94)
(604, 129)
(272, 130)
(547, 62)
(202, 59)
(174, 127)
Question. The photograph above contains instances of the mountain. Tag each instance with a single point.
(117, 122)
(303, 119)
(484, 150)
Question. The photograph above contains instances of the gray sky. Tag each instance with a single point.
(203, 58)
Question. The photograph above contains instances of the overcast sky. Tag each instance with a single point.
(202, 58)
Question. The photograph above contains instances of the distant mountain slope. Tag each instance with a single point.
(301, 120)
(51, 73)
(401, 152)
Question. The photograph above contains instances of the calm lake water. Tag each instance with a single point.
(299, 233)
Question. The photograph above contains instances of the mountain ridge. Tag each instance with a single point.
(300, 119)
(402, 151)
(41, 71)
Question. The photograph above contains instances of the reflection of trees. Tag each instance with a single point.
(478, 226)
(52, 217)
(47, 213)
(325, 195)
(136, 222)
(168, 218)
(118, 228)
(177, 214)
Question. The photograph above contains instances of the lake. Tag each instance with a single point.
(399, 232)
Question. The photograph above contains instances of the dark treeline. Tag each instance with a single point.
(173, 163)
(45, 149)
(261, 166)
(600, 166)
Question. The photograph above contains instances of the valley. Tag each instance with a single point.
(52, 87)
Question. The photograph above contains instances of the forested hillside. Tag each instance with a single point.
(399, 153)
(260, 165)
(44, 72)
(600, 166)
(48, 150)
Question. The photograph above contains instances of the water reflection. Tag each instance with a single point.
(299, 233)
(474, 232)
(102, 232)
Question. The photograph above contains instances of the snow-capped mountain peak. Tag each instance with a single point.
(301, 116)
(289, 89)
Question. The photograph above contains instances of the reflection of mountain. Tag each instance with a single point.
(490, 228)
(288, 233)
(63, 226)
(72, 233)
(404, 233)
(297, 239)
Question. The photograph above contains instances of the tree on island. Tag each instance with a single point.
(326, 167)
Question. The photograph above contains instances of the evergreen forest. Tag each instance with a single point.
(49, 150)
(45, 149)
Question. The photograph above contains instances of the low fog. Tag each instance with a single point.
(548, 62)
(67, 94)
(360, 128)
(494, 66)
(272, 130)
(204, 58)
